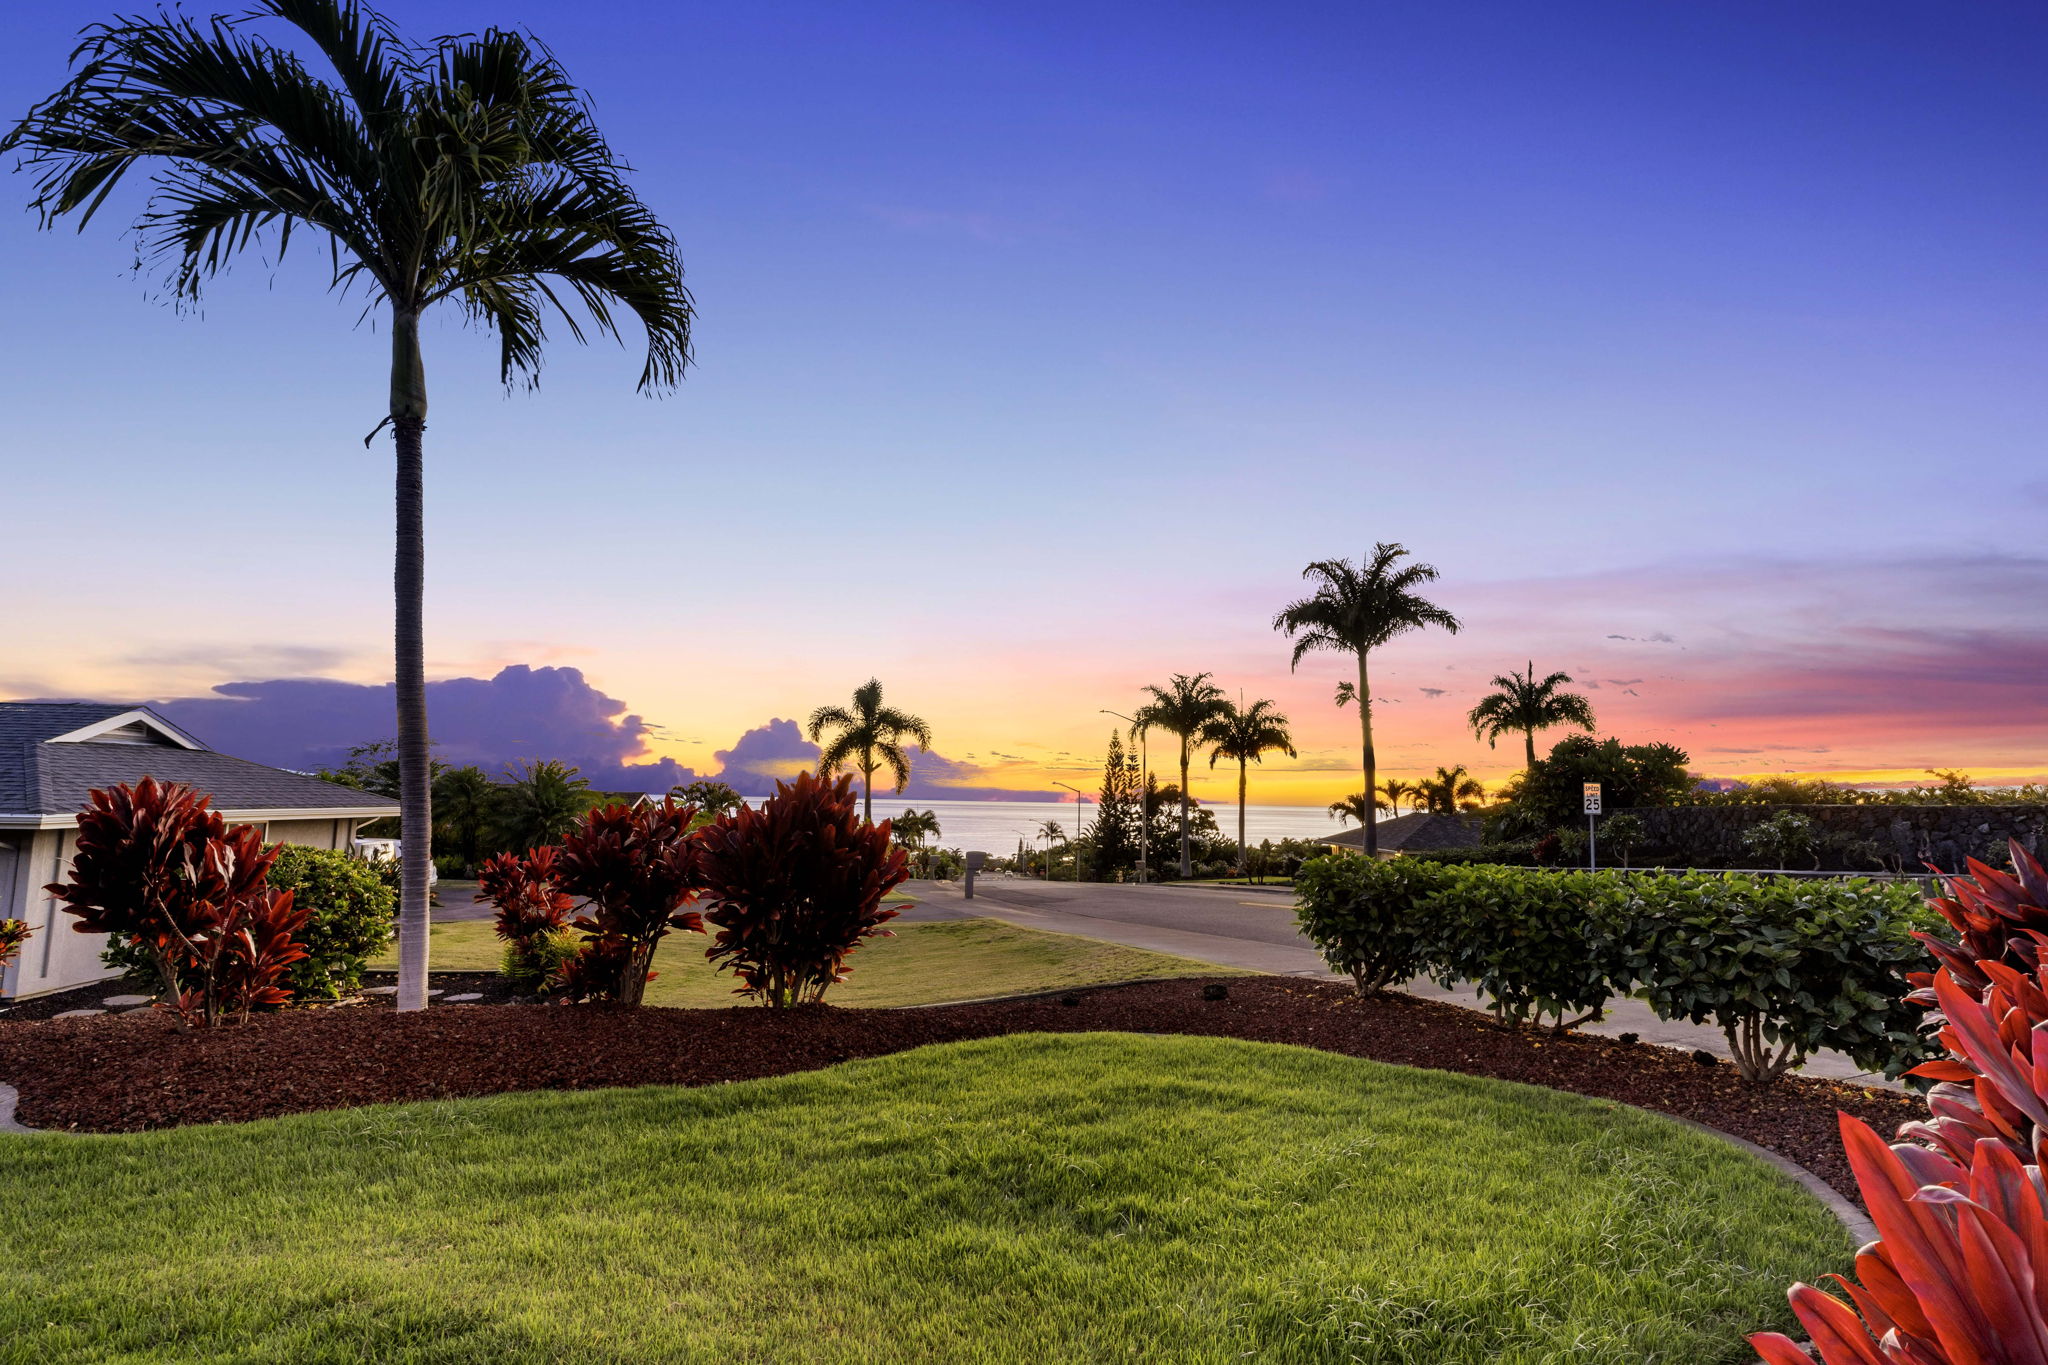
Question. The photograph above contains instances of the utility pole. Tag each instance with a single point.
(1080, 799)
(1144, 785)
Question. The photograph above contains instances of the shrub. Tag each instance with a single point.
(637, 868)
(1785, 838)
(1510, 854)
(532, 916)
(157, 865)
(13, 933)
(795, 886)
(351, 916)
(1958, 1272)
(1784, 966)
(1371, 917)
(1538, 945)
(1622, 833)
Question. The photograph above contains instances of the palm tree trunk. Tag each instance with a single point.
(867, 795)
(1240, 818)
(1187, 866)
(1529, 739)
(1372, 831)
(415, 791)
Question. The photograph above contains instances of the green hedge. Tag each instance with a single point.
(1782, 967)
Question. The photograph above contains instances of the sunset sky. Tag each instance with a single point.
(1700, 346)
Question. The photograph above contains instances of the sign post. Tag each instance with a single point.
(1592, 838)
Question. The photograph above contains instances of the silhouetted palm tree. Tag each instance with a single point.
(1393, 791)
(466, 170)
(1524, 704)
(1182, 708)
(1246, 734)
(1451, 790)
(1357, 806)
(1355, 609)
(870, 737)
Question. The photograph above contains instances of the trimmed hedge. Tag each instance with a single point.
(1784, 968)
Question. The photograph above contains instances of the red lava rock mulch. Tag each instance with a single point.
(121, 1073)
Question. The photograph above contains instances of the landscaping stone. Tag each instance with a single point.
(76, 1014)
(380, 990)
(464, 997)
(117, 1001)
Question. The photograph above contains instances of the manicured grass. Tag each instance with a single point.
(923, 964)
(1090, 1197)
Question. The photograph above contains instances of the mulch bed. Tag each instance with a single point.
(128, 1072)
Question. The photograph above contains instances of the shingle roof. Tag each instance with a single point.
(1418, 831)
(38, 778)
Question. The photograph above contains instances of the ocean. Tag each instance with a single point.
(996, 826)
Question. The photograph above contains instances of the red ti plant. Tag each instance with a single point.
(158, 866)
(637, 869)
(795, 886)
(531, 909)
(1959, 1275)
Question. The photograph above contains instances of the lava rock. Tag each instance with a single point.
(1630, 1039)
(1070, 1000)
(1215, 990)
(1706, 1058)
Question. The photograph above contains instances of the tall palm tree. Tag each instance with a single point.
(1354, 610)
(1522, 703)
(1394, 791)
(464, 171)
(870, 736)
(1451, 790)
(912, 828)
(1358, 806)
(1181, 708)
(1247, 734)
(1053, 832)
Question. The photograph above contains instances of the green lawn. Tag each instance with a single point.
(924, 963)
(1040, 1199)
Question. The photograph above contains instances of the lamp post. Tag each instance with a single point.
(1144, 786)
(1080, 799)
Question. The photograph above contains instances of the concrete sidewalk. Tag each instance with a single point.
(1107, 917)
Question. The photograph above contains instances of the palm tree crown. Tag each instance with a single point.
(1182, 708)
(1522, 703)
(1451, 790)
(870, 736)
(466, 170)
(1357, 806)
(1354, 610)
(1246, 734)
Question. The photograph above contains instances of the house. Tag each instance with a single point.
(53, 754)
(1420, 832)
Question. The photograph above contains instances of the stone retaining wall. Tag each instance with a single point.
(1905, 837)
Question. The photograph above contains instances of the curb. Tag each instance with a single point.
(10, 1098)
(1846, 1213)
(1070, 990)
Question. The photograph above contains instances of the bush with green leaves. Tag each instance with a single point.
(1519, 853)
(1782, 840)
(1786, 966)
(1371, 917)
(1782, 966)
(352, 916)
(1538, 945)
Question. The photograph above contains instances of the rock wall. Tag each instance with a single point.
(1851, 838)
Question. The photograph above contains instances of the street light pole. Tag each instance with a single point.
(1080, 799)
(1144, 786)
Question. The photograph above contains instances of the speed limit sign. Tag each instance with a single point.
(1592, 798)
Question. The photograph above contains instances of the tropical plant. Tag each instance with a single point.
(1183, 708)
(1354, 610)
(915, 827)
(870, 736)
(1370, 917)
(1996, 917)
(1785, 838)
(157, 865)
(1246, 734)
(636, 867)
(543, 802)
(711, 798)
(351, 916)
(1959, 1273)
(13, 933)
(1450, 791)
(1525, 704)
(1394, 790)
(465, 170)
(1360, 807)
(794, 887)
(1552, 793)
(1624, 832)
(533, 915)
(465, 802)
(1539, 946)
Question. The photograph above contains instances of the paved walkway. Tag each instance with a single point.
(1253, 929)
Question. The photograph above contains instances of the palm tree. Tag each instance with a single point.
(1394, 791)
(870, 736)
(1524, 704)
(1053, 832)
(1451, 790)
(913, 827)
(1182, 707)
(463, 801)
(1357, 806)
(544, 801)
(466, 170)
(1354, 610)
(1247, 734)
